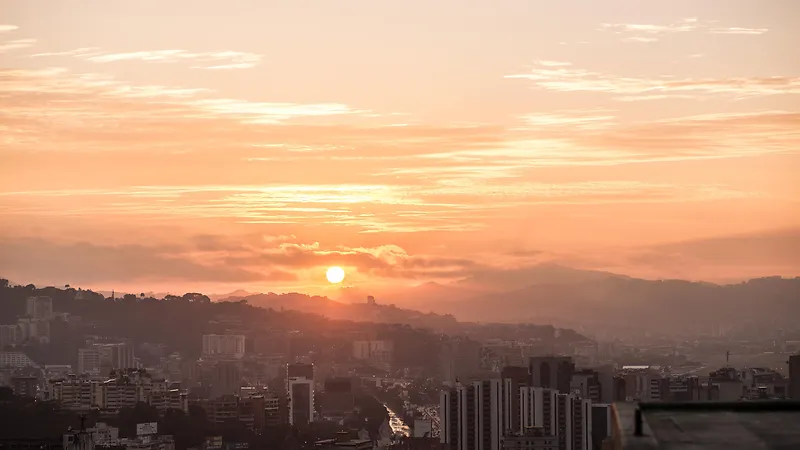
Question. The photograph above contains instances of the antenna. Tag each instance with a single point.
(727, 358)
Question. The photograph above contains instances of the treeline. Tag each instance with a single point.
(178, 322)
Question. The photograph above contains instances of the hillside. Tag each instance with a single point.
(660, 306)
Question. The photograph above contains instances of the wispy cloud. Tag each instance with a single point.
(738, 30)
(201, 60)
(630, 32)
(569, 79)
(16, 44)
(7, 28)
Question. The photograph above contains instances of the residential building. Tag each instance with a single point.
(378, 350)
(574, 422)
(537, 409)
(74, 392)
(39, 307)
(226, 378)
(15, 359)
(554, 372)
(9, 335)
(224, 345)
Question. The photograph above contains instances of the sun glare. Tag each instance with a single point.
(335, 274)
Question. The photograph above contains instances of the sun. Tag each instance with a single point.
(335, 274)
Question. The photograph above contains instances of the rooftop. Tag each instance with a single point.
(754, 425)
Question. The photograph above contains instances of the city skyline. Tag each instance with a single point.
(206, 146)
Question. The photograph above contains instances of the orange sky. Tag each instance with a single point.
(206, 145)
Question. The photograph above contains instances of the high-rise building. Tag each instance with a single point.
(39, 308)
(492, 413)
(537, 409)
(300, 370)
(466, 418)
(601, 424)
(226, 379)
(794, 377)
(574, 422)
(554, 372)
(448, 418)
(475, 416)
(301, 401)
(225, 345)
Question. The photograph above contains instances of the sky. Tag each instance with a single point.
(204, 145)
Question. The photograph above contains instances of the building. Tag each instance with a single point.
(9, 335)
(476, 416)
(726, 385)
(538, 409)
(226, 378)
(301, 401)
(377, 351)
(225, 345)
(74, 392)
(794, 377)
(602, 422)
(554, 372)
(103, 358)
(492, 413)
(448, 418)
(682, 389)
(274, 407)
(88, 360)
(33, 330)
(339, 399)
(574, 422)
(24, 386)
(530, 439)
(586, 382)
(222, 409)
(128, 387)
(16, 360)
(39, 308)
(300, 370)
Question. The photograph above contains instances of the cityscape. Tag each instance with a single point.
(226, 374)
(399, 225)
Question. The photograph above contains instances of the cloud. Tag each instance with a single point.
(738, 30)
(202, 60)
(16, 44)
(646, 33)
(568, 79)
(85, 263)
(7, 28)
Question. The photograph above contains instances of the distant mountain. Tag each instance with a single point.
(548, 273)
(237, 294)
(607, 301)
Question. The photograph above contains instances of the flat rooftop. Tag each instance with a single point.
(755, 425)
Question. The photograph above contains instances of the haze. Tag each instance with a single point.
(204, 146)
